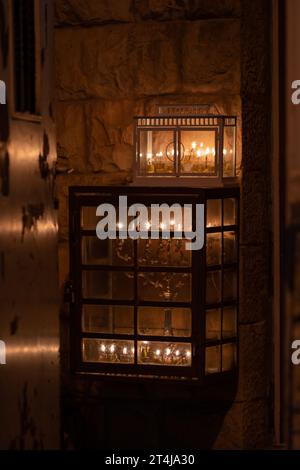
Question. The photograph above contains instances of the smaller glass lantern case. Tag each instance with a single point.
(183, 147)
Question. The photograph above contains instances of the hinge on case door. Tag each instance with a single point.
(69, 294)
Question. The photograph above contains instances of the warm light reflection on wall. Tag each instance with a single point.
(51, 348)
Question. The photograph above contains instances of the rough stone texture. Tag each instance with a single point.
(230, 436)
(189, 9)
(256, 124)
(93, 11)
(254, 284)
(253, 350)
(210, 52)
(255, 222)
(256, 426)
(110, 134)
(245, 426)
(98, 12)
(71, 137)
(127, 61)
(255, 207)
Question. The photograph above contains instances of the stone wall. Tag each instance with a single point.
(115, 60)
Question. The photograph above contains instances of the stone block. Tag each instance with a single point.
(255, 208)
(139, 60)
(89, 12)
(254, 285)
(230, 436)
(160, 10)
(256, 428)
(110, 127)
(245, 426)
(101, 12)
(210, 57)
(71, 136)
(256, 126)
(254, 352)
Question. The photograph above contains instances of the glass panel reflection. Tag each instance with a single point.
(165, 286)
(89, 219)
(230, 211)
(229, 247)
(229, 285)
(213, 248)
(229, 322)
(163, 253)
(118, 319)
(213, 324)
(198, 151)
(115, 285)
(229, 151)
(156, 152)
(109, 351)
(228, 356)
(214, 213)
(160, 321)
(213, 287)
(164, 353)
(107, 252)
(212, 360)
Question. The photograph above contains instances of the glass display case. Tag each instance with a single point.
(150, 307)
(200, 148)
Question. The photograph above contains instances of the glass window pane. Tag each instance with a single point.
(89, 219)
(228, 356)
(156, 152)
(108, 351)
(163, 253)
(213, 324)
(115, 285)
(213, 248)
(118, 319)
(168, 287)
(213, 287)
(229, 322)
(229, 285)
(159, 321)
(214, 213)
(229, 247)
(212, 360)
(164, 353)
(229, 151)
(198, 151)
(230, 209)
(107, 252)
